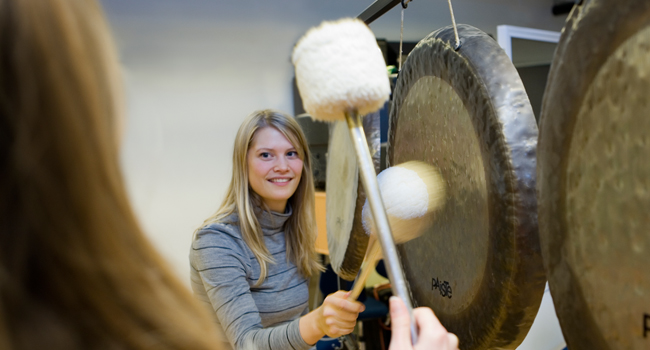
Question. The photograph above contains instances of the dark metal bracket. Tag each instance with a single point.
(377, 9)
(562, 7)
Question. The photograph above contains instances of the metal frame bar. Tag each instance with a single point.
(377, 9)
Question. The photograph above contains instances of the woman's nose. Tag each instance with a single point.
(282, 165)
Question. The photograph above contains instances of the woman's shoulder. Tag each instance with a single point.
(218, 244)
(224, 232)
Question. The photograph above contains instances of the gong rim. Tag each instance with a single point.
(594, 30)
(502, 115)
(347, 251)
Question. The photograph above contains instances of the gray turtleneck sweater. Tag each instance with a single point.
(223, 274)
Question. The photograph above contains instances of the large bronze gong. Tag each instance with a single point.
(479, 265)
(594, 176)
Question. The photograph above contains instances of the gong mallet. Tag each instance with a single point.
(411, 193)
(341, 74)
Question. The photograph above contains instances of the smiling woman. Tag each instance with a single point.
(250, 261)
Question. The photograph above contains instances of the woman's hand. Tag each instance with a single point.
(337, 316)
(431, 335)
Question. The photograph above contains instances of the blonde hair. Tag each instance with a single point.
(300, 230)
(76, 271)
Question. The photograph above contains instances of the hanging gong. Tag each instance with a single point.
(346, 238)
(478, 265)
(594, 176)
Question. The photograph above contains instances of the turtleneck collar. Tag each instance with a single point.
(272, 222)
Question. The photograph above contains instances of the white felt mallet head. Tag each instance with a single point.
(339, 67)
(410, 192)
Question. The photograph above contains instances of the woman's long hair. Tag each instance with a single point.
(76, 271)
(300, 229)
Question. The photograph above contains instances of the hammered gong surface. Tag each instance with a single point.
(346, 239)
(466, 112)
(594, 176)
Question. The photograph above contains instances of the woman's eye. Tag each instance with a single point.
(265, 155)
(292, 154)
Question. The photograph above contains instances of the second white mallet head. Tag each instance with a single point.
(410, 191)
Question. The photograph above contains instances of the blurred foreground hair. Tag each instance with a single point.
(76, 271)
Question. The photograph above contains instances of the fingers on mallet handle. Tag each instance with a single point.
(425, 319)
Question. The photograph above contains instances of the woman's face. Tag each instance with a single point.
(274, 168)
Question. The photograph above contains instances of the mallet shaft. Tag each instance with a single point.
(384, 235)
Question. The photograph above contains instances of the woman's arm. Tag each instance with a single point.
(221, 263)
